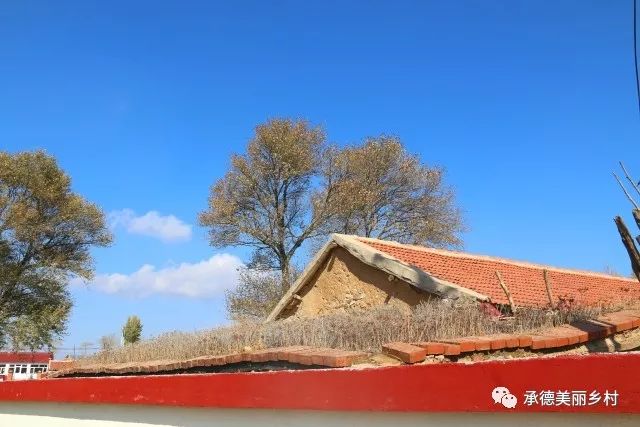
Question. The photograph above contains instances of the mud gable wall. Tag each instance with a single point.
(343, 283)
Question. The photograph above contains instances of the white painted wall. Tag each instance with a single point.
(68, 415)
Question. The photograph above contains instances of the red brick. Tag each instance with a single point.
(538, 342)
(337, 360)
(634, 315)
(205, 361)
(302, 356)
(594, 329)
(482, 343)
(510, 341)
(554, 340)
(318, 356)
(466, 344)
(497, 342)
(432, 347)
(406, 352)
(341, 359)
(234, 358)
(283, 352)
(563, 336)
(582, 336)
(452, 349)
(265, 355)
(620, 321)
(149, 367)
(524, 341)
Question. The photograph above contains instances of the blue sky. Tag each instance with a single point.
(528, 105)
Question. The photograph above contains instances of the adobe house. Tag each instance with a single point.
(356, 273)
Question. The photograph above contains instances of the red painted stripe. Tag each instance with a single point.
(439, 388)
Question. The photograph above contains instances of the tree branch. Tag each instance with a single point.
(633, 184)
(633, 202)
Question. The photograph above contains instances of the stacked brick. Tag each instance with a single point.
(554, 338)
(301, 355)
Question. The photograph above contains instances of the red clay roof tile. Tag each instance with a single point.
(524, 280)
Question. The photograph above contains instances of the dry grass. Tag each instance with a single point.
(359, 331)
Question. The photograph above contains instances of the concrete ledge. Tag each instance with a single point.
(84, 415)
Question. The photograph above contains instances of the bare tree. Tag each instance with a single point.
(623, 230)
(387, 193)
(108, 342)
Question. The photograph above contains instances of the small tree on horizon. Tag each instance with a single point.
(108, 342)
(132, 330)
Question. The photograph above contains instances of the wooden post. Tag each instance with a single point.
(547, 283)
(506, 291)
(629, 245)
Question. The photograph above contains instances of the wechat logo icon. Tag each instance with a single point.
(503, 396)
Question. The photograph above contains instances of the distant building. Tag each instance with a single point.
(353, 273)
(23, 365)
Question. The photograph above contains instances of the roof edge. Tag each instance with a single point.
(382, 261)
(400, 269)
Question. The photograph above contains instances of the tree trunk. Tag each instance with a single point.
(629, 245)
(286, 276)
(636, 216)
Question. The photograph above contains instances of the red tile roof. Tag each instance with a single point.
(25, 357)
(524, 280)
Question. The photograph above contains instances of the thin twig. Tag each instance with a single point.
(506, 291)
(633, 184)
(626, 193)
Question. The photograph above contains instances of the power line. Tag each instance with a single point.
(635, 47)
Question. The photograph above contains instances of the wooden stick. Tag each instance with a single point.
(506, 291)
(633, 184)
(547, 283)
(633, 202)
(629, 245)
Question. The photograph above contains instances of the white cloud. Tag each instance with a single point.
(164, 227)
(203, 279)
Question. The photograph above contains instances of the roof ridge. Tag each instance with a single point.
(460, 254)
